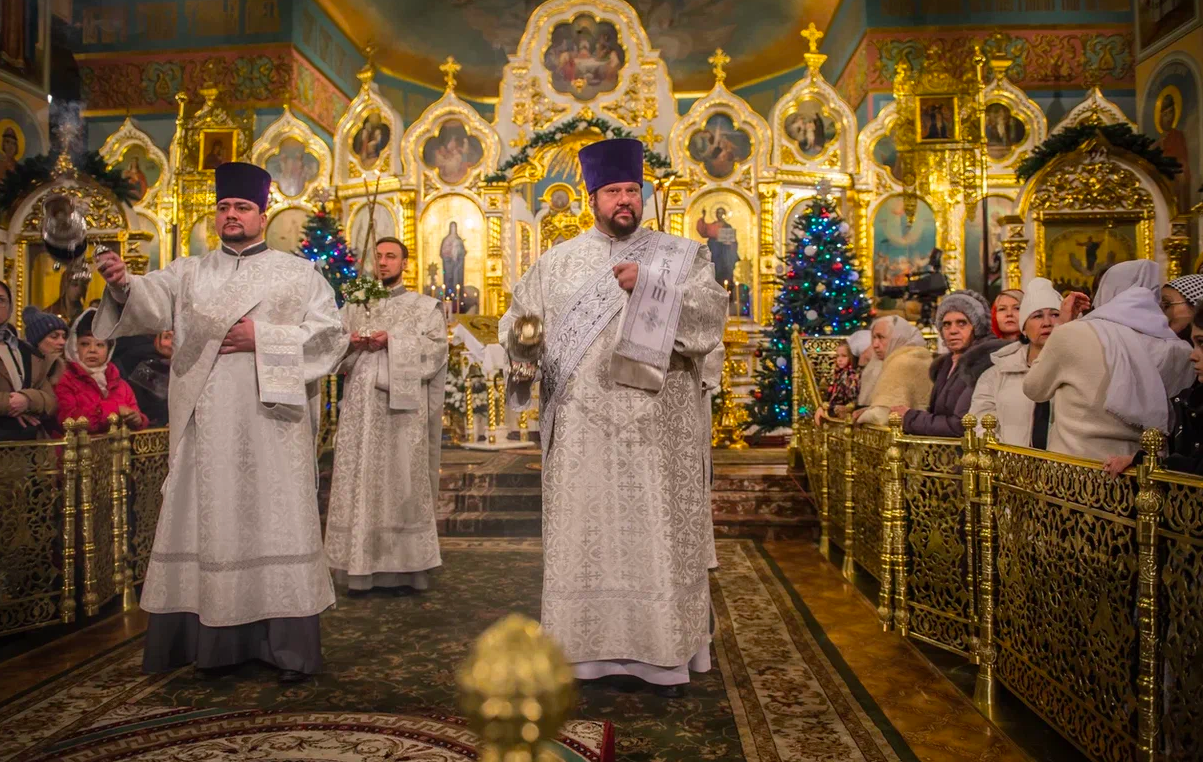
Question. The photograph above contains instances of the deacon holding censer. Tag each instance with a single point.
(237, 571)
(616, 322)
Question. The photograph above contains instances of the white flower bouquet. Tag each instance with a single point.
(363, 290)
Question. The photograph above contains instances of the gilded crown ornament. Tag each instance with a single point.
(517, 689)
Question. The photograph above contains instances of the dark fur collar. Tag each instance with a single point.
(973, 363)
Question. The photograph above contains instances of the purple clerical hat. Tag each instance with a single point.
(612, 161)
(236, 179)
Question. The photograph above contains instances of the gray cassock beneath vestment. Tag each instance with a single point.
(627, 530)
(237, 570)
(381, 528)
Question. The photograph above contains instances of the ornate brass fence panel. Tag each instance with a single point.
(939, 546)
(37, 533)
(839, 500)
(1064, 618)
(1179, 616)
(869, 445)
(101, 521)
(146, 472)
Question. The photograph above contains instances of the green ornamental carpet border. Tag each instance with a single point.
(779, 691)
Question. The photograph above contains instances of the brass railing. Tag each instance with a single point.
(1077, 592)
(77, 518)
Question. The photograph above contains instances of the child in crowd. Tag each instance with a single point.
(48, 333)
(845, 382)
(92, 386)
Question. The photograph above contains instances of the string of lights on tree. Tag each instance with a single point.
(820, 293)
(325, 244)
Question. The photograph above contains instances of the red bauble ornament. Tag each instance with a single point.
(757, 394)
(873, 312)
(756, 353)
(837, 266)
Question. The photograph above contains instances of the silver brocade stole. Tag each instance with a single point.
(656, 296)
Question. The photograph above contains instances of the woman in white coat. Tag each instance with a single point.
(999, 390)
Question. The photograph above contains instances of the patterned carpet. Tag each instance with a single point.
(780, 692)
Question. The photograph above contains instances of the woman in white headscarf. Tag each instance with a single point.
(904, 379)
(1110, 374)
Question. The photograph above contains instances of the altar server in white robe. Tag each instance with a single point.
(629, 315)
(237, 571)
(381, 530)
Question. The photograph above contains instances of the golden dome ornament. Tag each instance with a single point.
(517, 689)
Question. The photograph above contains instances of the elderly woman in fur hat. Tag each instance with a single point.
(963, 318)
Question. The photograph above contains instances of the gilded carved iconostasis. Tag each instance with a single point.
(454, 127)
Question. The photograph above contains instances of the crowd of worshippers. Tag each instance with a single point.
(59, 370)
(1077, 374)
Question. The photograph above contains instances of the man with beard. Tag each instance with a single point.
(381, 530)
(629, 315)
(237, 571)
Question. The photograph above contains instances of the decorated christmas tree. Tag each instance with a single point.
(820, 294)
(325, 244)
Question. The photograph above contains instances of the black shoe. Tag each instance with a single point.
(670, 691)
(353, 593)
(215, 673)
(290, 676)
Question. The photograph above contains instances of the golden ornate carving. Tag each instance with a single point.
(450, 68)
(718, 61)
(727, 430)
(1082, 184)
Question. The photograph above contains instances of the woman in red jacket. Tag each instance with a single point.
(91, 386)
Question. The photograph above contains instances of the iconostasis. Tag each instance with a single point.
(478, 202)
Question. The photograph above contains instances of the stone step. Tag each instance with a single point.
(492, 524)
(760, 527)
(792, 504)
(506, 499)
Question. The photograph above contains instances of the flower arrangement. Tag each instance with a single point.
(363, 289)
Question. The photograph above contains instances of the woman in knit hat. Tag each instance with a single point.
(1004, 315)
(1178, 300)
(999, 389)
(27, 398)
(48, 334)
(963, 318)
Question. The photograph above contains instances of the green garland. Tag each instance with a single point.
(37, 170)
(1119, 135)
(655, 160)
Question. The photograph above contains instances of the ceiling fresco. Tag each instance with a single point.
(414, 36)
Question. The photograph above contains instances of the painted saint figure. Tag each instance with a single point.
(453, 252)
(723, 245)
(1173, 143)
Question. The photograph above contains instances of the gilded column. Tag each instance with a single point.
(969, 488)
(891, 505)
(987, 469)
(1014, 246)
(493, 300)
(409, 236)
(764, 282)
(849, 507)
(861, 246)
(70, 495)
(87, 520)
(1148, 517)
(1176, 247)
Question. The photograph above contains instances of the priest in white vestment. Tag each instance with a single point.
(381, 530)
(629, 315)
(237, 571)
